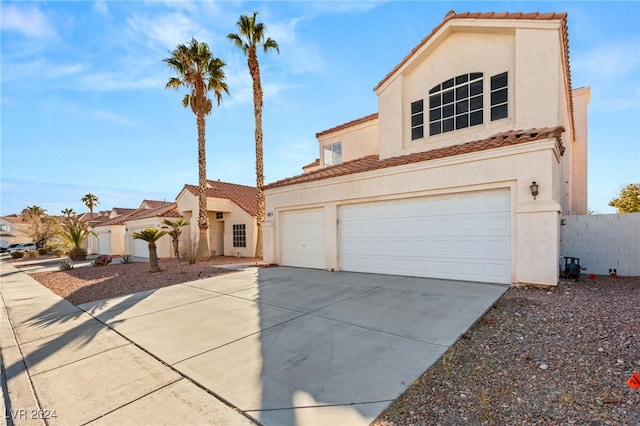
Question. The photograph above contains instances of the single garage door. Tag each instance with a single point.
(302, 239)
(462, 236)
(104, 243)
(140, 247)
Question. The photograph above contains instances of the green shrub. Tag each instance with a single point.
(65, 265)
(57, 252)
(17, 255)
(77, 253)
(43, 251)
(127, 259)
(33, 253)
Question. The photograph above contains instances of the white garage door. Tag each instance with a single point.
(104, 243)
(462, 237)
(140, 247)
(302, 239)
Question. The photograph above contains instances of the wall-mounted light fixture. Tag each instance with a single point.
(534, 189)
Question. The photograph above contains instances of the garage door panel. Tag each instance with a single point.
(302, 242)
(461, 236)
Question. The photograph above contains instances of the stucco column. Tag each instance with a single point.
(268, 243)
(331, 230)
(538, 244)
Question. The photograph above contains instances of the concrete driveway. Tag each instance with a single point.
(291, 346)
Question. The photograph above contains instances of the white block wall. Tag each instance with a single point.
(603, 242)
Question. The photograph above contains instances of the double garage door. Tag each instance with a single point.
(459, 236)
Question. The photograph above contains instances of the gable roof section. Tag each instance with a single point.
(243, 196)
(535, 16)
(152, 204)
(373, 162)
(348, 124)
(167, 210)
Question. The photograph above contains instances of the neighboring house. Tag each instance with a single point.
(12, 230)
(115, 236)
(438, 183)
(232, 217)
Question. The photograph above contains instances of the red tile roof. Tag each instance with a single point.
(315, 162)
(152, 204)
(373, 162)
(165, 211)
(243, 196)
(348, 124)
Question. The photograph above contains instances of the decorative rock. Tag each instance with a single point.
(544, 366)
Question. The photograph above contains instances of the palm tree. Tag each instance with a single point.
(69, 213)
(176, 231)
(151, 235)
(251, 35)
(200, 72)
(75, 233)
(90, 201)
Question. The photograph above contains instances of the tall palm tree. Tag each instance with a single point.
(151, 235)
(251, 36)
(68, 213)
(199, 72)
(90, 201)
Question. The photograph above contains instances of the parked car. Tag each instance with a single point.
(10, 246)
(23, 247)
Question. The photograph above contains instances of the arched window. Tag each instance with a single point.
(456, 103)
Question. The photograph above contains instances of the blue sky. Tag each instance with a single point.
(84, 108)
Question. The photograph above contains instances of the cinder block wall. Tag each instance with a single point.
(603, 242)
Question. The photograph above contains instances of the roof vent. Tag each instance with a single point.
(450, 13)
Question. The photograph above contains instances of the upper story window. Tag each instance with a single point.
(219, 215)
(499, 96)
(332, 154)
(4, 228)
(417, 120)
(456, 103)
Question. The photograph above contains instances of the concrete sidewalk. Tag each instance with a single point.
(62, 366)
(282, 346)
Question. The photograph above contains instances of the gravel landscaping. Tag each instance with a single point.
(89, 283)
(538, 357)
(559, 356)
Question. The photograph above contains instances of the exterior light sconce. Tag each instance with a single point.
(534, 189)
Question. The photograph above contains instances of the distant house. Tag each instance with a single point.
(115, 235)
(231, 211)
(12, 230)
(478, 147)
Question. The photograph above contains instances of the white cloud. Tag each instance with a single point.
(101, 7)
(112, 118)
(29, 21)
(166, 31)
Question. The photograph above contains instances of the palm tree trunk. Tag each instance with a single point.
(203, 220)
(254, 70)
(153, 258)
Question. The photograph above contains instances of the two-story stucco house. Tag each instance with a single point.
(478, 147)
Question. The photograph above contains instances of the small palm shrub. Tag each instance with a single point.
(102, 260)
(77, 253)
(65, 265)
(127, 259)
(17, 255)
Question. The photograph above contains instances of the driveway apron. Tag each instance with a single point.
(288, 346)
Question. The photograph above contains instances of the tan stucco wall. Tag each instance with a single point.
(232, 215)
(513, 167)
(357, 141)
(580, 146)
